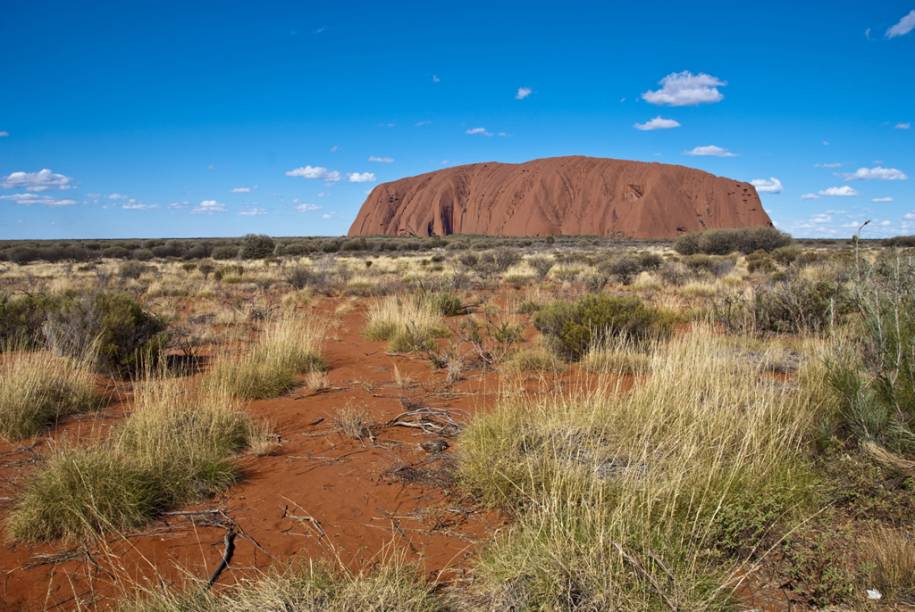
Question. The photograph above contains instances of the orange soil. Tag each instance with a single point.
(347, 485)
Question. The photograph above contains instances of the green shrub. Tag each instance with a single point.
(225, 252)
(21, 318)
(797, 305)
(121, 333)
(447, 304)
(724, 241)
(256, 246)
(572, 329)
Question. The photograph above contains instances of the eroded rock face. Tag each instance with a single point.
(560, 196)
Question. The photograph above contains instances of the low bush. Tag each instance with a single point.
(724, 241)
(111, 326)
(571, 329)
(256, 246)
(22, 317)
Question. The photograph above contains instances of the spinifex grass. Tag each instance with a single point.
(175, 446)
(37, 388)
(287, 347)
(652, 498)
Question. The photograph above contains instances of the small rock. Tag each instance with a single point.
(434, 446)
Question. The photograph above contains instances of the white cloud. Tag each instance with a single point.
(903, 26)
(843, 192)
(117, 196)
(771, 185)
(132, 204)
(361, 177)
(658, 123)
(686, 89)
(178, 205)
(241, 190)
(42, 180)
(478, 131)
(903, 125)
(876, 173)
(315, 172)
(4, 133)
(883, 200)
(28, 199)
(327, 215)
(523, 92)
(435, 79)
(709, 151)
(253, 212)
(829, 165)
(423, 123)
(209, 206)
(307, 207)
(810, 196)
(381, 159)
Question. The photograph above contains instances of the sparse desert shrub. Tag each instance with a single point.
(447, 304)
(408, 324)
(622, 268)
(724, 241)
(798, 305)
(21, 319)
(353, 423)
(122, 334)
(256, 246)
(175, 447)
(571, 329)
(36, 389)
(541, 265)
(131, 270)
(719, 266)
(759, 261)
(786, 255)
(225, 252)
(286, 348)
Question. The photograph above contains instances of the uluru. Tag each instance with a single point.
(560, 196)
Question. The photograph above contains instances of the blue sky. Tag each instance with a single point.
(145, 119)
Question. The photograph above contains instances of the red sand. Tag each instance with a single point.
(560, 196)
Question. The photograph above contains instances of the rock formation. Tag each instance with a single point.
(560, 196)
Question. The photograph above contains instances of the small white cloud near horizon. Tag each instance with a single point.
(209, 206)
(903, 26)
(829, 165)
(877, 173)
(903, 125)
(361, 177)
(42, 180)
(686, 89)
(4, 133)
(770, 185)
(478, 131)
(380, 159)
(253, 212)
(882, 200)
(709, 151)
(523, 92)
(810, 196)
(28, 199)
(658, 123)
(845, 191)
(307, 207)
(241, 190)
(315, 172)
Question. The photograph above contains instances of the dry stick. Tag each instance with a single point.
(229, 542)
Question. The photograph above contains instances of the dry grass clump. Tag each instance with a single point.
(408, 323)
(176, 446)
(287, 347)
(536, 359)
(353, 423)
(391, 586)
(654, 498)
(38, 388)
(891, 561)
(616, 360)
